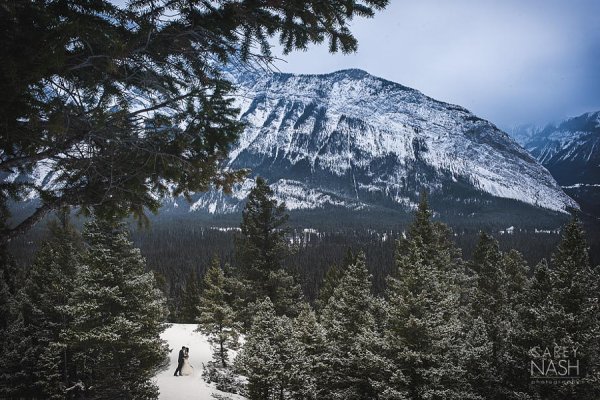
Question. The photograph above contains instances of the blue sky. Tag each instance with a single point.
(509, 61)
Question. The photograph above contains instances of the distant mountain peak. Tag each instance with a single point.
(570, 149)
(350, 72)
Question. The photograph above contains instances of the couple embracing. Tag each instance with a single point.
(183, 363)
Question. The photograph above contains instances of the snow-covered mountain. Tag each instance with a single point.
(570, 150)
(356, 141)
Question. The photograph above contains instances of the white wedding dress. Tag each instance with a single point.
(187, 369)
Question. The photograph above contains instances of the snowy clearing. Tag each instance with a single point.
(187, 387)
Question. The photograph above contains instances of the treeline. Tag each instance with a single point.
(443, 328)
(182, 249)
(181, 252)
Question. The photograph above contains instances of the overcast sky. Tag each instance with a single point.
(509, 61)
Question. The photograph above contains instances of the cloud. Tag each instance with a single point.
(511, 62)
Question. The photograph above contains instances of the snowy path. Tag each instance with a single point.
(187, 387)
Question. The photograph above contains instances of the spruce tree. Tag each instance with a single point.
(9, 317)
(36, 363)
(273, 358)
(311, 334)
(117, 315)
(190, 298)
(216, 317)
(330, 281)
(425, 337)
(9, 278)
(500, 283)
(332, 278)
(349, 325)
(14, 379)
(235, 292)
(261, 249)
(568, 313)
(537, 310)
(515, 363)
(8, 288)
(488, 316)
(151, 95)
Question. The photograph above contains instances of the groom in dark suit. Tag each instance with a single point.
(180, 361)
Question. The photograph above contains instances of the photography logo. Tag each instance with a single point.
(554, 364)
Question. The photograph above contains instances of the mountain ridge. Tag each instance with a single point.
(570, 150)
(360, 133)
(575, 140)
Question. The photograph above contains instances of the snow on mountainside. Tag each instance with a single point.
(570, 150)
(353, 140)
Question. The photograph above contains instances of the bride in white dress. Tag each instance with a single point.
(187, 369)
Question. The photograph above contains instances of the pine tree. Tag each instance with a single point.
(287, 294)
(567, 313)
(9, 278)
(117, 315)
(311, 334)
(488, 316)
(9, 316)
(13, 380)
(216, 317)
(500, 283)
(349, 325)
(37, 364)
(190, 298)
(425, 337)
(537, 309)
(151, 95)
(261, 249)
(330, 281)
(235, 290)
(515, 363)
(273, 358)
(8, 288)
(332, 278)
(541, 284)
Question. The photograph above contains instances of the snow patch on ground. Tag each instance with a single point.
(187, 387)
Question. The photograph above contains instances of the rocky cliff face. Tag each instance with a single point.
(352, 140)
(570, 150)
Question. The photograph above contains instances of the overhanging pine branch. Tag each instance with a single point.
(8, 234)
